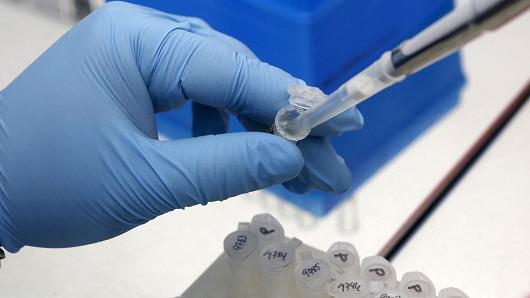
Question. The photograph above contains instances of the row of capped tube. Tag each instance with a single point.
(265, 264)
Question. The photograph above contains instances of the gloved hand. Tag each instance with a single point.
(79, 157)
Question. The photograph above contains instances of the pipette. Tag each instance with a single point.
(309, 107)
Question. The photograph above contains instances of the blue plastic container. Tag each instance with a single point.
(325, 42)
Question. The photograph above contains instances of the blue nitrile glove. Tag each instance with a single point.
(79, 157)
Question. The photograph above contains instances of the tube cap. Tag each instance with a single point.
(305, 97)
(452, 293)
(239, 245)
(417, 284)
(267, 228)
(391, 293)
(344, 256)
(349, 285)
(313, 274)
(277, 257)
(378, 269)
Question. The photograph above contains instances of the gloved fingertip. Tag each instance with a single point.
(343, 185)
(296, 186)
(285, 161)
(343, 177)
(8, 240)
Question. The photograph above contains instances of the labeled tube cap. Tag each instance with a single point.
(278, 257)
(349, 285)
(267, 228)
(344, 256)
(313, 274)
(240, 244)
(391, 293)
(452, 293)
(417, 284)
(378, 269)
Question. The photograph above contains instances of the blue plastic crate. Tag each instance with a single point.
(325, 42)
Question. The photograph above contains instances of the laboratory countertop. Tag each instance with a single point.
(476, 223)
(478, 238)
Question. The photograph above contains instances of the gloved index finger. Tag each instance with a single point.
(218, 76)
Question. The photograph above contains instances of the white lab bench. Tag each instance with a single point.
(163, 257)
(479, 238)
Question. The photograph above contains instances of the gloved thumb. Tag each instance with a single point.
(210, 168)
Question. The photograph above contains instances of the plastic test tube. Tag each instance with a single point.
(391, 293)
(452, 293)
(417, 284)
(312, 277)
(310, 108)
(349, 285)
(240, 249)
(268, 229)
(276, 263)
(379, 272)
(343, 257)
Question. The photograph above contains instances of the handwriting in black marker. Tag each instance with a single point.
(378, 271)
(416, 288)
(311, 270)
(240, 242)
(275, 255)
(349, 286)
(341, 256)
(264, 231)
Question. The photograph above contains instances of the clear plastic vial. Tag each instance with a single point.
(276, 263)
(240, 250)
(312, 276)
(301, 99)
(309, 107)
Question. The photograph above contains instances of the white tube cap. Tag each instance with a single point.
(349, 285)
(267, 228)
(344, 256)
(391, 293)
(313, 274)
(278, 257)
(417, 284)
(378, 269)
(240, 244)
(452, 293)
